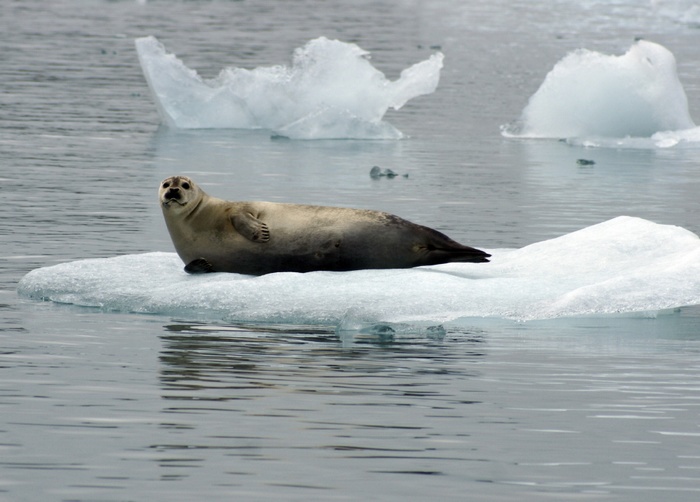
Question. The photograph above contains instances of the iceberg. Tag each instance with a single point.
(331, 90)
(593, 99)
(624, 265)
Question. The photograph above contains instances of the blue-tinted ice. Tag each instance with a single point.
(331, 90)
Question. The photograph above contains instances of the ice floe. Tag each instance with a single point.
(624, 265)
(331, 90)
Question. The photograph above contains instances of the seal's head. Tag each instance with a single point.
(178, 192)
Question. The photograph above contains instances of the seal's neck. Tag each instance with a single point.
(194, 206)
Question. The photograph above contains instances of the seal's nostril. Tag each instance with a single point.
(173, 193)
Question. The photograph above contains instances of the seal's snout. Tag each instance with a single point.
(173, 193)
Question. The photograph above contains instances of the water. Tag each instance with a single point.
(98, 405)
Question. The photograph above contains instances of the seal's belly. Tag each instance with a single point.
(288, 251)
(334, 248)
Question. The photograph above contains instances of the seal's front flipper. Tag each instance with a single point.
(251, 227)
(199, 266)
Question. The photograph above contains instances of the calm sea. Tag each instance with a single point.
(104, 406)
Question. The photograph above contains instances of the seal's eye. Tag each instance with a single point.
(166, 184)
(185, 185)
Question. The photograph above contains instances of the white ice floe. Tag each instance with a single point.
(331, 90)
(635, 100)
(624, 265)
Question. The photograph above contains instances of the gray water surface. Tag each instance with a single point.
(108, 406)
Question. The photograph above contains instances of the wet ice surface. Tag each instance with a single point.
(595, 99)
(625, 265)
(98, 405)
(330, 91)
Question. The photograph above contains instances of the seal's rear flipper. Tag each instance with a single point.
(469, 256)
(441, 249)
(464, 254)
(199, 266)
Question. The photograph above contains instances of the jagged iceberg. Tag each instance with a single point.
(600, 100)
(330, 91)
(624, 265)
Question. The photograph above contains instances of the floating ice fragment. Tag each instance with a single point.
(330, 91)
(591, 97)
(665, 139)
(377, 172)
(623, 265)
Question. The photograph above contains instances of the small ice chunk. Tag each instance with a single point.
(331, 90)
(377, 172)
(665, 139)
(593, 95)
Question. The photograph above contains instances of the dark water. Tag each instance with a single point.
(104, 406)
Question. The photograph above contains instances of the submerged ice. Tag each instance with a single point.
(623, 265)
(593, 97)
(331, 90)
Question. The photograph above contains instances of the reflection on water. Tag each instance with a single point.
(361, 404)
(597, 407)
(451, 408)
(369, 404)
(271, 353)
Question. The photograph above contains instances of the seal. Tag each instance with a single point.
(256, 238)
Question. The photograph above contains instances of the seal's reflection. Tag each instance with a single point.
(201, 358)
(280, 394)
